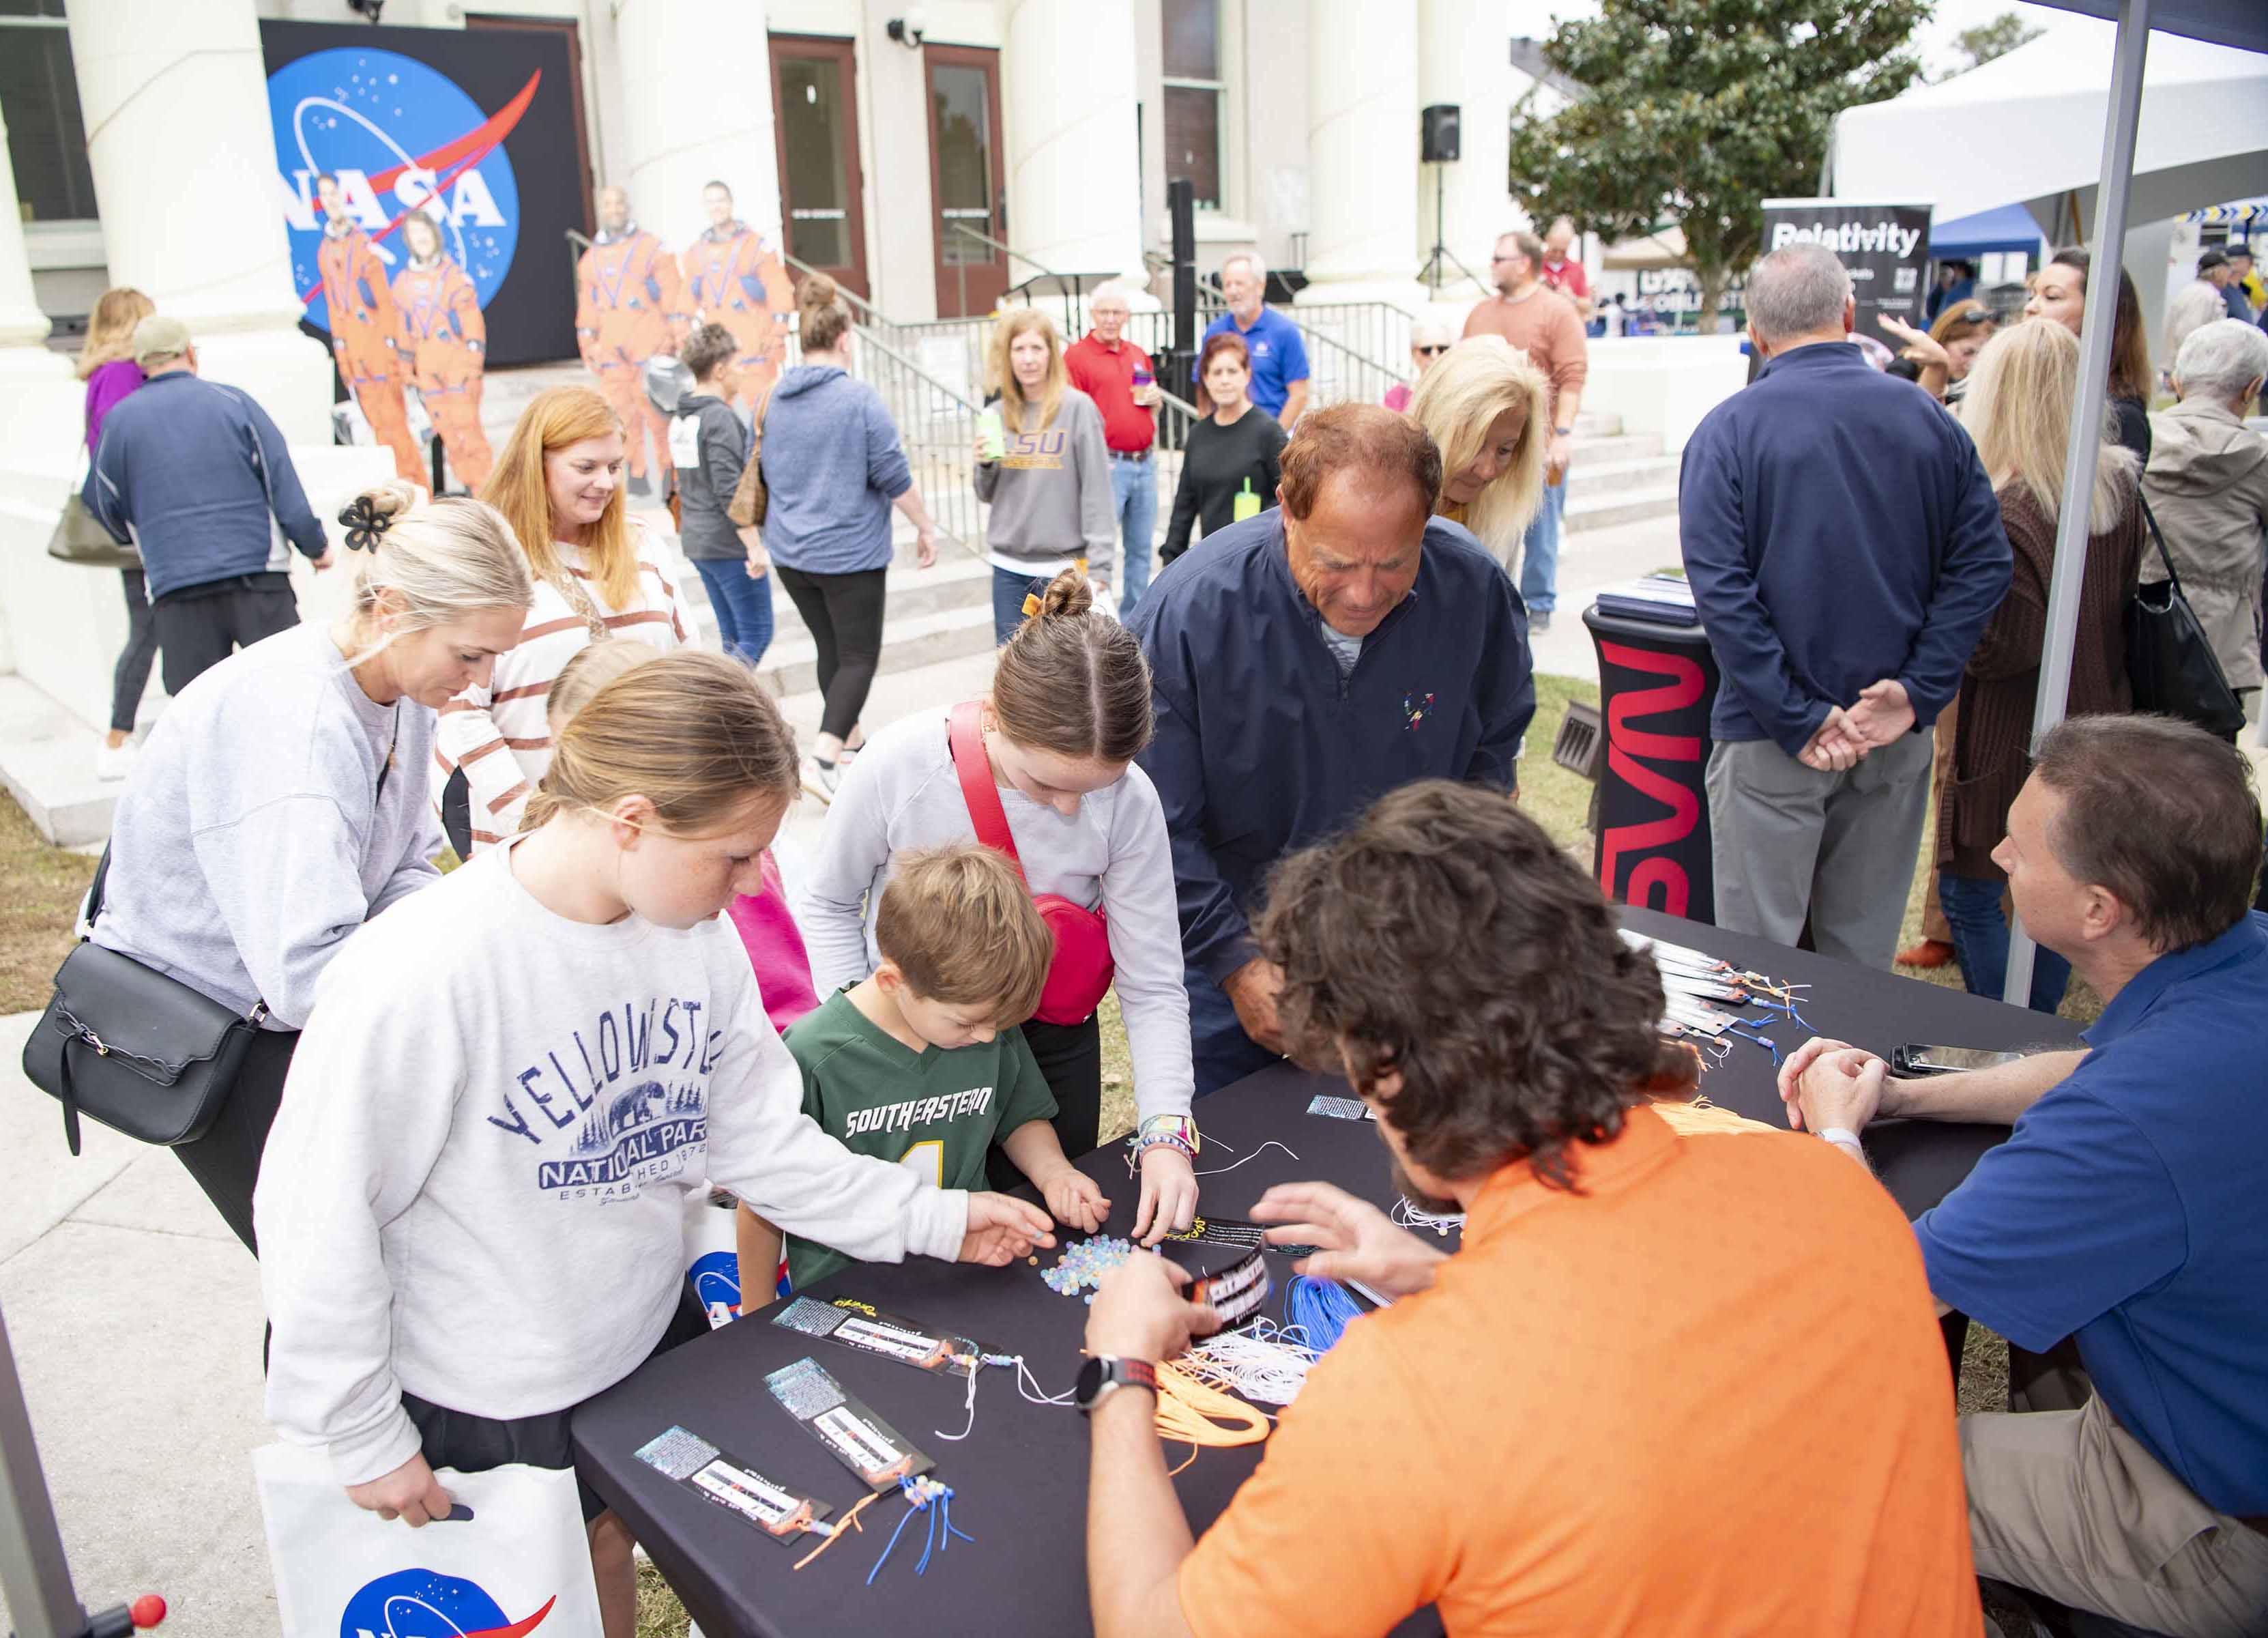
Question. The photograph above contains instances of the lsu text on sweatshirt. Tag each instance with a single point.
(475, 1187)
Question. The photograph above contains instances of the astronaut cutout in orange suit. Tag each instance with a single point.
(364, 329)
(738, 282)
(445, 344)
(630, 305)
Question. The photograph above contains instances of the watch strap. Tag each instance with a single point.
(1120, 1373)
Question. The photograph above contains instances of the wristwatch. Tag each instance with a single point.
(1102, 1375)
(1565, 432)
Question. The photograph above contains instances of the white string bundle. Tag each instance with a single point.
(1407, 1215)
(1265, 1362)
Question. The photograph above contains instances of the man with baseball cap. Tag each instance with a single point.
(196, 475)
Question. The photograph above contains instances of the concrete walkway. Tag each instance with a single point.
(135, 1315)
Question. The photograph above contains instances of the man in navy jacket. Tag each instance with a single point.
(1304, 662)
(1845, 550)
(196, 475)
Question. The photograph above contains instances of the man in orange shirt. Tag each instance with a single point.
(1538, 320)
(738, 281)
(445, 344)
(1637, 1399)
(629, 305)
(359, 309)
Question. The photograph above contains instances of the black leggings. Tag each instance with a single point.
(132, 675)
(225, 1161)
(843, 613)
(1070, 1061)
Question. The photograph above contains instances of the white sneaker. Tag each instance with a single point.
(114, 762)
(820, 778)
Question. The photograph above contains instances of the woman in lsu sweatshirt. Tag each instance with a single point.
(1048, 482)
(280, 804)
(473, 1198)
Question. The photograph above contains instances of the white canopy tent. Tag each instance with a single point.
(2021, 129)
(2117, 108)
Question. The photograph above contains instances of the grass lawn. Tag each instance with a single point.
(39, 891)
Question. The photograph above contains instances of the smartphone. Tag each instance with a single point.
(1915, 1059)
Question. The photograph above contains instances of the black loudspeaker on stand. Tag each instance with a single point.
(34, 1575)
(1439, 144)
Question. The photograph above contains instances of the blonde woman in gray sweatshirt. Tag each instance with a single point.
(1048, 479)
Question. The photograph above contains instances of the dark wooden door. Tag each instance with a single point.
(822, 188)
(967, 178)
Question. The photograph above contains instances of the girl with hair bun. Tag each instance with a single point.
(1068, 711)
(514, 1084)
(281, 802)
(598, 573)
(834, 467)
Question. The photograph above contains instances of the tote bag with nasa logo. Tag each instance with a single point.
(517, 1567)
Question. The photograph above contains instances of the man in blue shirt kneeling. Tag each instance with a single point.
(2129, 1208)
(1307, 661)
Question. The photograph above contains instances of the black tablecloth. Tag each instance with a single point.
(1020, 1480)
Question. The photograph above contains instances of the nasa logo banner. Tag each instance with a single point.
(1884, 247)
(431, 119)
(1654, 846)
(511, 1561)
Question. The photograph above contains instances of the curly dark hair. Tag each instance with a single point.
(1447, 937)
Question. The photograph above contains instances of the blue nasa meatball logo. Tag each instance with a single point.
(419, 1604)
(400, 136)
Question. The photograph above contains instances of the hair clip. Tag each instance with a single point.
(364, 524)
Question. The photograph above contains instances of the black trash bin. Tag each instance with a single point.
(1656, 684)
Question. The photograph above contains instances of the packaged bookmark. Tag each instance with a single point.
(881, 1455)
(861, 1325)
(732, 1484)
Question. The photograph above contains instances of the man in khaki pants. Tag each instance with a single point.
(2127, 1210)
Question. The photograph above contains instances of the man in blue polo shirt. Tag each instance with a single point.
(2127, 1210)
(1304, 663)
(1279, 357)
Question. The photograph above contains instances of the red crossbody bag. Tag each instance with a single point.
(1082, 970)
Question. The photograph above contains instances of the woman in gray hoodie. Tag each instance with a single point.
(1047, 477)
(2208, 486)
(833, 467)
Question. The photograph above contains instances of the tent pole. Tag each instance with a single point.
(2102, 279)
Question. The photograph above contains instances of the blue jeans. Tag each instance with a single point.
(1134, 496)
(743, 606)
(1980, 939)
(1221, 1052)
(1539, 553)
(1009, 590)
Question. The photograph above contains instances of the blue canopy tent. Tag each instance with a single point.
(2009, 227)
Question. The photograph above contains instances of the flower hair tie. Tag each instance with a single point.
(364, 524)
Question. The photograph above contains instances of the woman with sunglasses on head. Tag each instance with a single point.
(1944, 352)
(1230, 466)
(1427, 342)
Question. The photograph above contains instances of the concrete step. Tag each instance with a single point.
(958, 581)
(47, 762)
(1615, 477)
(1604, 512)
(1598, 423)
(1618, 446)
(791, 667)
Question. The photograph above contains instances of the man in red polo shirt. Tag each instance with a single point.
(1561, 272)
(1118, 376)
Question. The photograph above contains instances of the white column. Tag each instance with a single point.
(22, 324)
(1074, 171)
(696, 82)
(174, 98)
(1362, 152)
(1464, 57)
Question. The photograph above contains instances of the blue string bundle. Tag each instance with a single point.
(924, 1495)
(1320, 1308)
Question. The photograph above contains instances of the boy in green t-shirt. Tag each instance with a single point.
(922, 1063)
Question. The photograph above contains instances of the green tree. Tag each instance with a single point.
(1996, 38)
(1698, 111)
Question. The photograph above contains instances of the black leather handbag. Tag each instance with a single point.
(2168, 661)
(140, 1053)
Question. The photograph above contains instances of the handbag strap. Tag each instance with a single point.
(2164, 557)
(973, 768)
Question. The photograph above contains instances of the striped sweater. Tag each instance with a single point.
(501, 734)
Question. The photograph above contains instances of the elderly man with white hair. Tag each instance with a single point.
(1119, 376)
(1845, 550)
(1279, 357)
(2208, 486)
(1428, 340)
